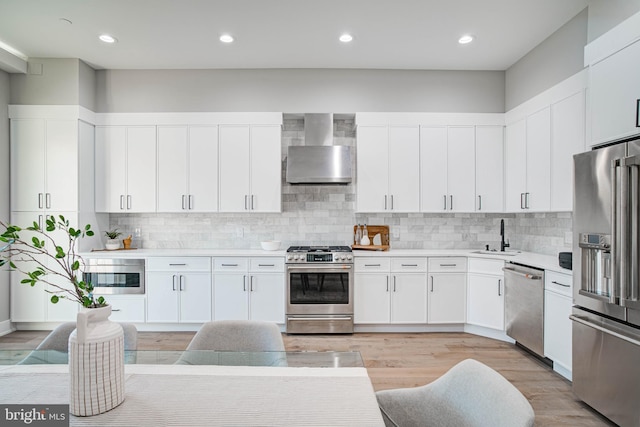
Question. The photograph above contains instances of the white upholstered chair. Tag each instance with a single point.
(261, 341)
(470, 394)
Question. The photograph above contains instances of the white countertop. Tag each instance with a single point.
(546, 262)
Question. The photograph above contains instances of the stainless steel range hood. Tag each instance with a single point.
(319, 161)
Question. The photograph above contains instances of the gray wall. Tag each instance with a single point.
(87, 86)
(606, 14)
(558, 57)
(47, 82)
(325, 214)
(299, 90)
(4, 184)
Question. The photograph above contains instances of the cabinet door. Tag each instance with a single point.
(266, 169)
(567, 139)
(231, 299)
(538, 197)
(61, 192)
(266, 295)
(162, 297)
(515, 166)
(27, 164)
(461, 168)
(195, 297)
(371, 298)
(447, 298)
(28, 304)
(614, 95)
(433, 169)
(65, 310)
(489, 168)
(110, 164)
(372, 156)
(141, 169)
(203, 169)
(485, 302)
(409, 298)
(234, 168)
(172, 168)
(557, 329)
(404, 169)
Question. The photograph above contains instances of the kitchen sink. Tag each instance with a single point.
(496, 252)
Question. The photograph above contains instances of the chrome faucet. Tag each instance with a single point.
(503, 245)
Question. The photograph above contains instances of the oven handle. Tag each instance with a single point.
(322, 268)
(318, 318)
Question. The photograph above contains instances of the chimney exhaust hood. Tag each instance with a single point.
(318, 161)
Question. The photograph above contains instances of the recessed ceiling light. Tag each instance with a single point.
(346, 38)
(226, 38)
(107, 38)
(465, 39)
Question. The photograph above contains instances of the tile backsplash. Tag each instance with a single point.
(325, 214)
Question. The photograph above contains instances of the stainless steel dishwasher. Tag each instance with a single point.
(524, 305)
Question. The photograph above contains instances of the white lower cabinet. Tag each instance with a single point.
(179, 290)
(447, 290)
(249, 288)
(485, 293)
(390, 290)
(557, 326)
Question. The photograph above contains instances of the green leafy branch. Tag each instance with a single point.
(42, 259)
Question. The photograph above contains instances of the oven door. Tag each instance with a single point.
(115, 276)
(320, 289)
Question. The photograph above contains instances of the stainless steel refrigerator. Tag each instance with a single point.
(606, 281)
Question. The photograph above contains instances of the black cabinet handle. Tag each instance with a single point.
(638, 113)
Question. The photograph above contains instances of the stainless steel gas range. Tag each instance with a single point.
(319, 290)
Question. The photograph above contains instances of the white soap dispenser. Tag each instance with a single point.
(365, 237)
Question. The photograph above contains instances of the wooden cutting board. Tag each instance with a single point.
(372, 230)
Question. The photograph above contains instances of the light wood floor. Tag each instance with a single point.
(409, 360)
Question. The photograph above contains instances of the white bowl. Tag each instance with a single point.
(270, 245)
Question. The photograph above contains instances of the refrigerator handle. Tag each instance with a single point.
(632, 293)
(615, 267)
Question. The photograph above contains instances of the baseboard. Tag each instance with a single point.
(5, 327)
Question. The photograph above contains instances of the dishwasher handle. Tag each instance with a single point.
(521, 274)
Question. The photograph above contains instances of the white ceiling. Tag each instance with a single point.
(388, 34)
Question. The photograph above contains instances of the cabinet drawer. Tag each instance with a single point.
(558, 282)
(179, 264)
(486, 266)
(447, 265)
(408, 264)
(372, 264)
(231, 264)
(127, 309)
(267, 264)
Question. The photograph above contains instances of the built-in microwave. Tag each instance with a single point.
(115, 276)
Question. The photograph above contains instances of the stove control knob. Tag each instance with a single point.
(289, 257)
(349, 257)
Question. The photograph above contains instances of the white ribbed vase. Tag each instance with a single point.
(96, 363)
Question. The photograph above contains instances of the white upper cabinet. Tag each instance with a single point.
(126, 169)
(614, 95)
(388, 169)
(187, 168)
(489, 168)
(528, 163)
(447, 166)
(250, 168)
(567, 139)
(44, 165)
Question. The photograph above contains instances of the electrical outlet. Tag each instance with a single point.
(240, 232)
(395, 233)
